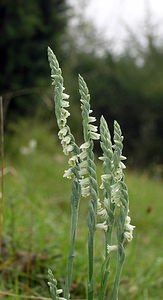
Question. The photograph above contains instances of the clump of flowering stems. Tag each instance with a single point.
(109, 214)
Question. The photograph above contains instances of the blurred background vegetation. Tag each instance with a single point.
(128, 87)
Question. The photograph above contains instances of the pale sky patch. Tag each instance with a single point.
(111, 17)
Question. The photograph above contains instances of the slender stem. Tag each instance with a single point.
(92, 222)
(75, 197)
(90, 264)
(2, 173)
(120, 261)
(105, 269)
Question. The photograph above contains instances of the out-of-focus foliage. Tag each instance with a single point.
(127, 87)
(27, 28)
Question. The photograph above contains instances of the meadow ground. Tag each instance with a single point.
(36, 225)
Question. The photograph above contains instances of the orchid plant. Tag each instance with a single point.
(109, 214)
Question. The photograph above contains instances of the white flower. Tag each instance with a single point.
(66, 140)
(83, 164)
(129, 227)
(102, 158)
(111, 248)
(102, 212)
(59, 291)
(84, 146)
(92, 128)
(102, 226)
(84, 182)
(128, 220)
(68, 174)
(123, 157)
(122, 165)
(83, 172)
(82, 155)
(104, 179)
(91, 119)
(128, 236)
(94, 135)
(65, 96)
(73, 160)
(64, 114)
(116, 193)
(62, 122)
(85, 191)
(62, 132)
(65, 103)
(67, 149)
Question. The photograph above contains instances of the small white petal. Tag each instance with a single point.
(84, 181)
(102, 186)
(122, 165)
(83, 164)
(62, 132)
(123, 157)
(62, 122)
(102, 226)
(68, 174)
(105, 177)
(66, 140)
(128, 236)
(115, 188)
(83, 171)
(86, 145)
(68, 149)
(59, 291)
(65, 96)
(101, 158)
(102, 212)
(91, 119)
(85, 191)
(129, 227)
(128, 220)
(94, 135)
(83, 155)
(64, 113)
(92, 128)
(65, 103)
(73, 160)
(111, 248)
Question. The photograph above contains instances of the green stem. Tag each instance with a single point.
(105, 270)
(120, 261)
(90, 264)
(75, 197)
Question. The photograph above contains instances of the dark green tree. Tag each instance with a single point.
(27, 28)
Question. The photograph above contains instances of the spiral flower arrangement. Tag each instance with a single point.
(110, 213)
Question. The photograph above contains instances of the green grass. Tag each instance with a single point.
(36, 221)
